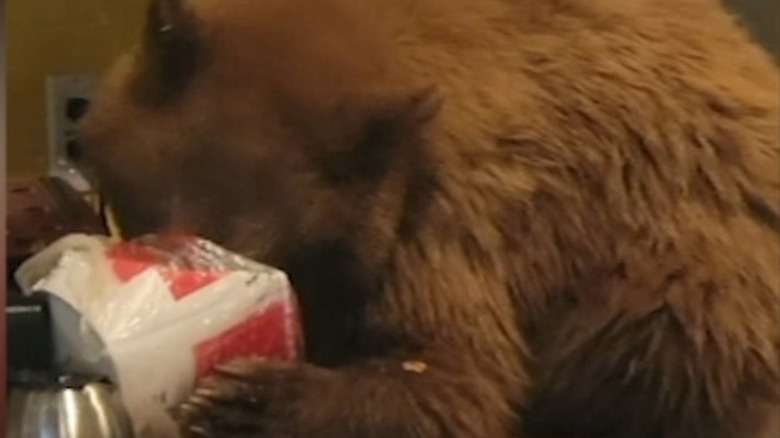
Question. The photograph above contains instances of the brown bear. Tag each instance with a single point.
(503, 218)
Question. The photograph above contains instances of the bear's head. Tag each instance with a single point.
(265, 126)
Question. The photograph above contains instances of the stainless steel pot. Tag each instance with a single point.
(66, 409)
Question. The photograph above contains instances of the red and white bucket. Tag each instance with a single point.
(157, 313)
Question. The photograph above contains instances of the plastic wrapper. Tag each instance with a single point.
(155, 314)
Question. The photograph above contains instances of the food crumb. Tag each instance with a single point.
(414, 366)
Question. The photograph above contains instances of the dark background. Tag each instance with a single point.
(762, 17)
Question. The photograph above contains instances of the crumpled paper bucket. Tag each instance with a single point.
(155, 314)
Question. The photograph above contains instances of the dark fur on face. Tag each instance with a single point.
(503, 218)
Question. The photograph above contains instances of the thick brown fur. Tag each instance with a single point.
(566, 210)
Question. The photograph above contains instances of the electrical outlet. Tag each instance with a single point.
(67, 99)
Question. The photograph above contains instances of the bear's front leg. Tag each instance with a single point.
(426, 396)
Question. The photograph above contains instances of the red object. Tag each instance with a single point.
(272, 332)
(261, 335)
(42, 210)
(131, 258)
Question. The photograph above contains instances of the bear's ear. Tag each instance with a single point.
(172, 50)
(388, 130)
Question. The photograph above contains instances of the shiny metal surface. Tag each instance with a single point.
(90, 411)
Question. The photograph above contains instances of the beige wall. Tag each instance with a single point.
(55, 37)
